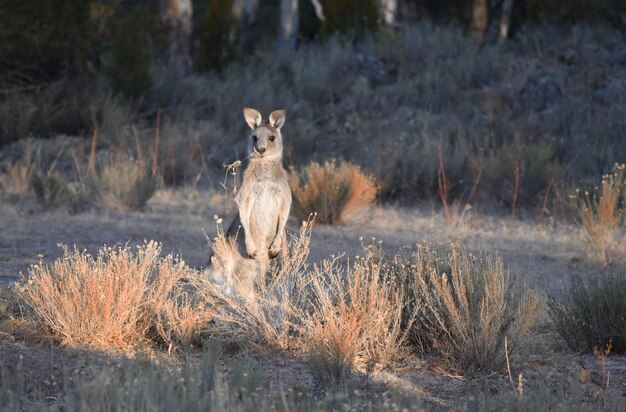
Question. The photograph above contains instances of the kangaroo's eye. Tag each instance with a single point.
(272, 138)
(255, 138)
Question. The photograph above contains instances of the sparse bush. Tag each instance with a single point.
(17, 178)
(121, 184)
(599, 217)
(466, 306)
(331, 191)
(50, 188)
(592, 312)
(338, 317)
(355, 317)
(253, 309)
(116, 300)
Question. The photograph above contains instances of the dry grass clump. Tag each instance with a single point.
(340, 317)
(256, 307)
(466, 306)
(355, 317)
(592, 313)
(600, 216)
(116, 300)
(17, 178)
(121, 184)
(332, 191)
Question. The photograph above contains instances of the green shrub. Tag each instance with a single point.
(592, 312)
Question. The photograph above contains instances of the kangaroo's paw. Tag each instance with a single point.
(275, 248)
(273, 253)
(251, 251)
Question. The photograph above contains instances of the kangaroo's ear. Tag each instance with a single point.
(253, 117)
(277, 118)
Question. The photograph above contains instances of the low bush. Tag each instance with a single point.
(50, 188)
(600, 214)
(121, 184)
(355, 318)
(17, 178)
(117, 300)
(332, 191)
(592, 312)
(465, 306)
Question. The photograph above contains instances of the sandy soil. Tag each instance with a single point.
(543, 254)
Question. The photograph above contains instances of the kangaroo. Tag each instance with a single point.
(264, 199)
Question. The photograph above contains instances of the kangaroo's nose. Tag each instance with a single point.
(261, 149)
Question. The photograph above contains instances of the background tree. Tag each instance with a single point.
(289, 22)
(177, 15)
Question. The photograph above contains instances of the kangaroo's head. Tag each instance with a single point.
(265, 142)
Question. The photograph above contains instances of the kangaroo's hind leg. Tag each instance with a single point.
(280, 240)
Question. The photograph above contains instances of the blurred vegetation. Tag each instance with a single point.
(518, 122)
(356, 17)
(216, 37)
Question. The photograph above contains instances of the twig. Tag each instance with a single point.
(516, 188)
(544, 205)
(442, 182)
(508, 364)
(475, 186)
(139, 150)
(232, 169)
(91, 167)
(157, 137)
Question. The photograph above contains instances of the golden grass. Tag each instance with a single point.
(17, 179)
(121, 184)
(340, 317)
(332, 191)
(600, 216)
(117, 300)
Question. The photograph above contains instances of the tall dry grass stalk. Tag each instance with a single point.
(17, 178)
(600, 216)
(332, 191)
(117, 299)
(466, 306)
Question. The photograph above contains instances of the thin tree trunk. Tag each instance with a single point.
(319, 11)
(389, 10)
(479, 18)
(177, 15)
(505, 21)
(289, 22)
(245, 12)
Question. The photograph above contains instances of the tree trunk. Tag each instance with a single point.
(479, 18)
(245, 12)
(505, 21)
(289, 22)
(177, 16)
(389, 9)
